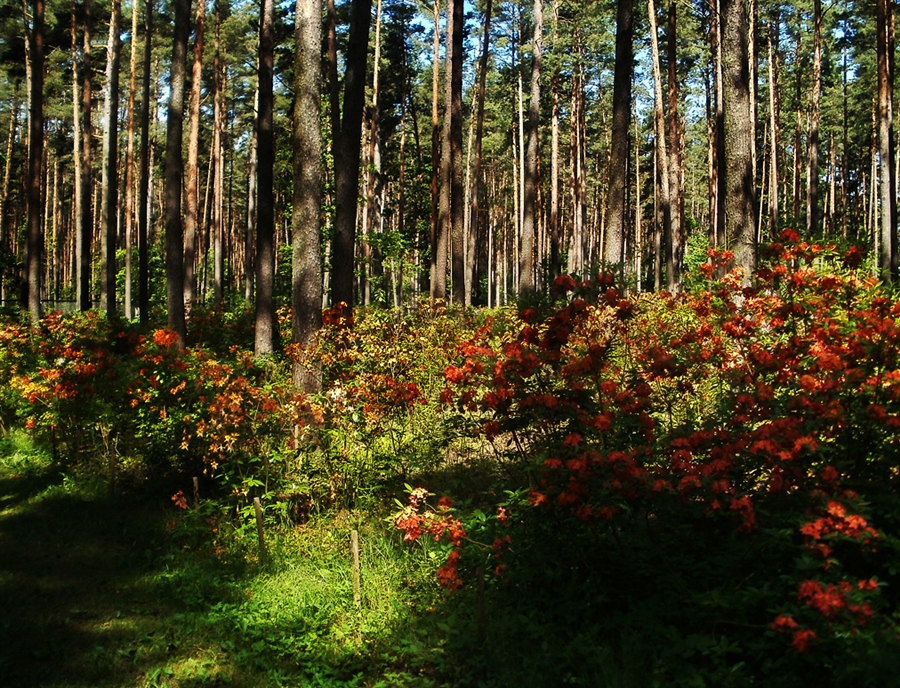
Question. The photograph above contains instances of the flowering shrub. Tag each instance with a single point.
(756, 421)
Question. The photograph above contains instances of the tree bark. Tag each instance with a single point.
(621, 120)
(174, 172)
(530, 171)
(455, 141)
(109, 185)
(81, 98)
(34, 238)
(662, 157)
(438, 239)
(676, 238)
(475, 223)
(191, 193)
(347, 156)
(144, 187)
(129, 161)
(306, 219)
(266, 325)
(812, 170)
(887, 254)
(739, 198)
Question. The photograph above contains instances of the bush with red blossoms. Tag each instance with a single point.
(740, 444)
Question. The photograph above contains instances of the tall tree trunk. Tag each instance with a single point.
(438, 241)
(475, 222)
(457, 212)
(174, 172)
(676, 158)
(250, 237)
(81, 99)
(266, 325)
(773, 138)
(109, 185)
(129, 161)
(372, 166)
(34, 237)
(191, 192)
(346, 163)
(739, 198)
(218, 160)
(616, 217)
(144, 188)
(529, 199)
(306, 220)
(812, 170)
(887, 254)
(4, 199)
(662, 158)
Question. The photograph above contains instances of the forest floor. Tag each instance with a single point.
(77, 608)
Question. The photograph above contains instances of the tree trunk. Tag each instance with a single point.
(306, 220)
(191, 193)
(266, 324)
(662, 158)
(174, 171)
(438, 240)
(774, 209)
(347, 155)
(34, 237)
(887, 254)
(529, 198)
(129, 162)
(109, 185)
(740, 187)
(250, 237)
(812, 170)
(81, 104)
(218, 161)
(457, 212)
(676, 159)
(475, 223)
(144, 188)
(616, 218)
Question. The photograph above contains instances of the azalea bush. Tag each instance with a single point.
(718, 469)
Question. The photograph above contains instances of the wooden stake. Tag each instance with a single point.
(196, 492)
(354, 550)
(263, 555)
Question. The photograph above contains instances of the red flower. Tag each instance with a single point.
(802, 639)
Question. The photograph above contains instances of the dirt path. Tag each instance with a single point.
(75, 606)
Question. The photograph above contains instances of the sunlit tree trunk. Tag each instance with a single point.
(34, 236)
(191, 193)
(144, 187)
(812, 151)
(266, 325)
(530, 176)
(306, 220)
(740, 186)
(174, 172)
(675, 242)
(81, 98)
(438, 270)
(129, 162)
(774, 209)
(347, 155)
(662, 158)
(887, 254)
(616, 217)
(109, 186)
(475, 222)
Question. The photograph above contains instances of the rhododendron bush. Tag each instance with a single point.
(721, 466)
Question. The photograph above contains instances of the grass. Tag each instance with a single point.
(108, 592)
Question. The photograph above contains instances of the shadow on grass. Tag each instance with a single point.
(80, 590)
